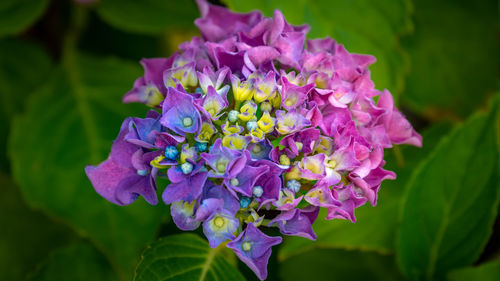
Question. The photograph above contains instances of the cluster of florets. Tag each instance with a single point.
(253, 130)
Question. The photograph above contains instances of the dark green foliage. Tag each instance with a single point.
(339, 264)
(17, 15)
(148, 16)
(454, 49)
(363, 26)
(85, 114)
(452, 201)
(487, 272)
(20, 75)
(27, 236)
(76, 262)
(185, 257)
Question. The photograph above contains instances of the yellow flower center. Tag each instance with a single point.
(318, 194)
(299, 145)
(256, 149)
(290, 101)
(212, 111)
(332, 164)
(313, 167)
(221, 166)
(246, 246)
(187, 122)
(219, 222)
(284, 160)
(293, 174)
(206, 132)
(234, 182)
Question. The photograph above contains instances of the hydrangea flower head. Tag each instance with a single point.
(254, 130)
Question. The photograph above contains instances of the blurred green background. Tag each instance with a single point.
(64, 67)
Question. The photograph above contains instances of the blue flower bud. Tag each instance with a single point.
(201, 146)
(198, 90)
(257, 191)
(186, 168)
(245, 201)
(293, 185)
(252, 125)
(142, 172)
(232, 116)
(171, 152)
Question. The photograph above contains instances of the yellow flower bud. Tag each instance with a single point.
(293, 174)
(284, 160)
(235, 141)
(243, 91)
(206, 132)
(247, 111)
(266, 122)
(275, 99)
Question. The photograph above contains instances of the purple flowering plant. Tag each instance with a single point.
(255, 127)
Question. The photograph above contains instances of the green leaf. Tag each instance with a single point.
(17, 15)
(337, 264)
(101, 39)
(77, 262)
(184, 257)
(148, 16)
(69, 124)
(375, 227)
(27, 236)
(363, 26)
(23, 68)
(454, 56)
(486, 272)
(452, 201)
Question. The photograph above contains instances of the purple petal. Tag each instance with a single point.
(313, 167)
(143, 132)
(397, 127)
(182, 215)
(287, 200)
(321, 196)
(218, 23)
(321, 45)
(350, 200)
(290, 122)
(178, 107)
(219, 228)
(154, 68)
(116, 179)
(260, 150)
(305, 139)
(122, 150)
(297, 222)
(254, 249)
(225, 162)
(293, 95)
(208, 207)
(261, 54)
(187, 190)
(246, 179)
(231, 204)
(120, 185)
